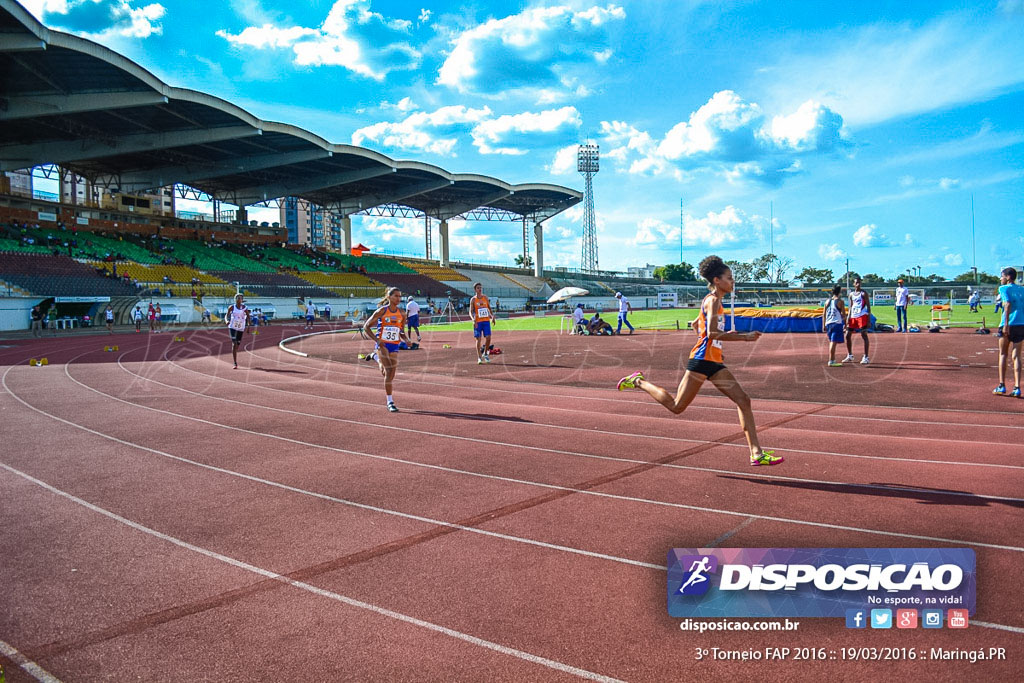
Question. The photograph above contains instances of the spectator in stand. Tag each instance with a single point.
(37, 322)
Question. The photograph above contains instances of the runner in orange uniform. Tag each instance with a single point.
(387, 326)
(707, 363)
(480, 308)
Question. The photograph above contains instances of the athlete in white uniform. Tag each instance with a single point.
(238, 322)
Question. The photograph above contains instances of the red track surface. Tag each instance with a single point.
(167, 517)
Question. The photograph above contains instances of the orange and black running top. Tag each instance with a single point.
(708, 349)
(389, 326)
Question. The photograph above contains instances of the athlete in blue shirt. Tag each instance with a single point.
(1011, 329)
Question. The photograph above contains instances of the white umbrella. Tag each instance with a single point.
(567, 293)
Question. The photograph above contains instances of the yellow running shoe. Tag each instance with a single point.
(630, 382)
(766, 458)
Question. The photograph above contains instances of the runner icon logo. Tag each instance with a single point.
(695, 581)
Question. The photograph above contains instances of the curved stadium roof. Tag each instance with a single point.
(69, 101)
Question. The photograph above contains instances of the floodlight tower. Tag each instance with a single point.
(587, 163)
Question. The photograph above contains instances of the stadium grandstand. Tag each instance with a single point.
(121, 147)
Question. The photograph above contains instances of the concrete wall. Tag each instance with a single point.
(15, 313)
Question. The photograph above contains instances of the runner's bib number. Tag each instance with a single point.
(717, 343)
(390, 334)
(483, 313)
(237, 320)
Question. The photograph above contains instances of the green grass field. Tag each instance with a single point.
(919, 315)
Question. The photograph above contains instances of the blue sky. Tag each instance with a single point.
(867, 126)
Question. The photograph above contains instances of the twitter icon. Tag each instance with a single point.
(881, 618)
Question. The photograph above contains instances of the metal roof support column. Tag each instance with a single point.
(443, 232)
(538, 262)
(429, 250)
(345, 224)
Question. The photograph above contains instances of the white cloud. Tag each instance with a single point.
(886, 70)
(730, 136)
(949, 183)
(541, 48)
(268, 36)
(831, 252)
(353, 37)
(869, 236)
(403, 105)
(439, 131)
(729, 227)
(953, 259)
(490, 135)
(100, 19)
(434, 132)
(424, 16)
(564, 162)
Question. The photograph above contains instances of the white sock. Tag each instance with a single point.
(390, 399)
(374, 356)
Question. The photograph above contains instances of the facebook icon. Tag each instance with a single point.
(856, 618)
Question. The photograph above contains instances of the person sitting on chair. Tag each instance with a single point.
(580, 323)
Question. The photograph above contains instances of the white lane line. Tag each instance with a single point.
(321, 592)
(524, 482)
(1001, 627)
(31, 668)
(590, 432)
(690, 420)
(731, 532)
(323, 496)
(694, 468)
(482, 532)
(729, 408)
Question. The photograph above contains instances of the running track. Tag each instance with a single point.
(167, 517)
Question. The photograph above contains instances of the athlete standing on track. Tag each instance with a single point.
(1011, 329)
(412, 312)
(480, 308)
(238, 322)
(859, 321)
(387, 327)
(832, 323)
(706, 361)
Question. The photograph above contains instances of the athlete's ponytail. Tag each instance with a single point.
(387, 296)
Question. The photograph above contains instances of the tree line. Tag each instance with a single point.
(771, 268)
